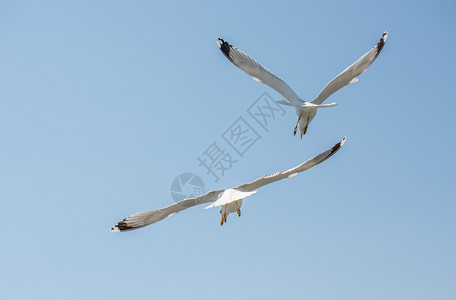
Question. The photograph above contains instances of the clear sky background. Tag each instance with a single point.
(104, 103)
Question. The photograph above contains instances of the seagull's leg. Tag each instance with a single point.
(305, 128)
(221, 221)
(238, 209)
(224, 215)
(296, 127)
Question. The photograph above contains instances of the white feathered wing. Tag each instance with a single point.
(250, 66)
(145, 218)
(349, 75)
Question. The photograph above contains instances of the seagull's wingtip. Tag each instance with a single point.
(225, 48)
(115, 229)
(380, 44)
(343, 141)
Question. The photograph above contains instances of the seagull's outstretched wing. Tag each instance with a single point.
(148, 217)
(349, 74)
(267, 179)
(247, 64)
(145, 218)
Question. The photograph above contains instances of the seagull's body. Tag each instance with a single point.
(229, 200)
(305, 110)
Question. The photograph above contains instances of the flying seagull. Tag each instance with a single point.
(305, 110)
(229, 200)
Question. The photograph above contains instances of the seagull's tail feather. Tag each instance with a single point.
(229, 196)
(305, 104)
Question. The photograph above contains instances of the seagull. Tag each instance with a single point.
(229, 200)
(305, 110)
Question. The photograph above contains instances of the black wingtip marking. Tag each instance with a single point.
(123, 226)
(335, 148)
(225, 48)
(381, 43)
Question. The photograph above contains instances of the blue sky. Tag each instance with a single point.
(104, 103)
